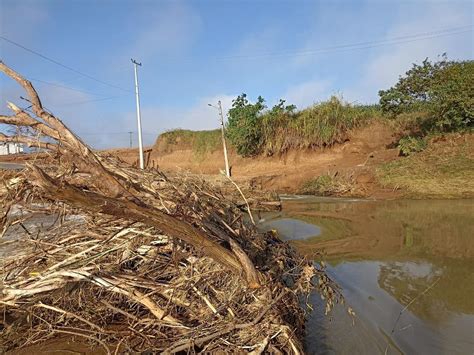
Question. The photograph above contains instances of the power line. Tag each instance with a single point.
(65, 87)
(60, 64)
(87, 101)
(114, 133)
(360, 45)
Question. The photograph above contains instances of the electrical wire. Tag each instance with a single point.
(113, 133)
(359, 45)
(65, 87)
(60, 64)
(87, 101)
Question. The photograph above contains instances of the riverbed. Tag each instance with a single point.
(406, 267)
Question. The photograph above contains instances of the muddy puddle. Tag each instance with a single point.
(387, 255)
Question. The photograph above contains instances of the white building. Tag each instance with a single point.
(10, 148)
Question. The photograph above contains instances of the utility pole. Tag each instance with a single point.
(221, 116)
(130, 133)
(139, 121)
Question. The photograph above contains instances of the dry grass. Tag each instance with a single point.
(329, 185)
(444, 169)
(321, 125)
(200, 143)
(135, 261)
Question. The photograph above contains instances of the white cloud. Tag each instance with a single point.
(57, 97)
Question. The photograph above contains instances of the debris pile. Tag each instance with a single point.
(134, 261)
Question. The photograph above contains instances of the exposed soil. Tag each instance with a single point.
(353, 163)
(355, 159)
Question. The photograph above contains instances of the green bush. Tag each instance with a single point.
(244, 125)
(444, 89)
(409, 145)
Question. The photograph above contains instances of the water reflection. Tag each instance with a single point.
(385, 255)
(291, 229)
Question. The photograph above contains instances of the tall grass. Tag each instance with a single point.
(200, 142)
(321, 125)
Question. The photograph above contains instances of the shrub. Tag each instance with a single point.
(409, 145)
(326, 185)
(445, 89)
(252, 130)
(411, 124)
(322, 185)
(244, 125)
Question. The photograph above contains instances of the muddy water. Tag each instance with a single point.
(11, 166)
(387, 255)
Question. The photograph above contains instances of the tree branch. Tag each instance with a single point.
(169, 225)
(30, 142)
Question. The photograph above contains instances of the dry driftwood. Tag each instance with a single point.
(135, 261)
(109, 185)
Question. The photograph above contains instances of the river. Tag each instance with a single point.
(406, 259)
(11, 166)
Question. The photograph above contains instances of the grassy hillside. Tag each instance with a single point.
(254, 130)
(444, 169)
(422, 147)
(199, 142)
(278, 131)
(320, 125)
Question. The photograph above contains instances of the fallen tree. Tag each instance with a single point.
(136, 261)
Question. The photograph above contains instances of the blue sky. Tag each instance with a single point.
(196, 52)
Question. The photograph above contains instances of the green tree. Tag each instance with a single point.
(282, 108)
(444, 89)
(244, 127)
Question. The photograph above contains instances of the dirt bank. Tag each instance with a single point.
(366, 165)
(355, 160)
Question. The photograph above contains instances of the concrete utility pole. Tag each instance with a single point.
(139, 120)
(130, 133)
(221, 116)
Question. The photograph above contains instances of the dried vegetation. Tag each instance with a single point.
(132, 261)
